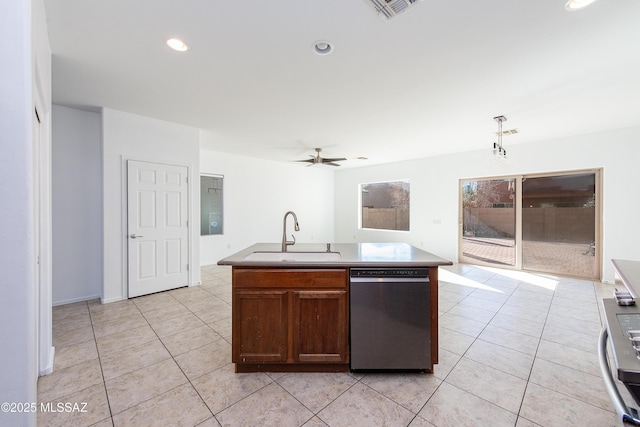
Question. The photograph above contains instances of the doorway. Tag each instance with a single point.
(547, 222)
(157, 227)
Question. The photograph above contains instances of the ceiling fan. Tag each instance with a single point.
(321, 160)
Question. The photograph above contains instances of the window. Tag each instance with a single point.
(385, 205)
(210, 204)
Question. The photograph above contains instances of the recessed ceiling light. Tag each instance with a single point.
(322, 47)
(177, 44)
(572, 5)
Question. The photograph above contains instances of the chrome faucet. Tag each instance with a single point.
(296, 227)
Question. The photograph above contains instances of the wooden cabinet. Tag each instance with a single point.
(319, 332)
(261, 324)
(290, 319)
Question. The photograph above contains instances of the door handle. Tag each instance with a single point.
(133, 236)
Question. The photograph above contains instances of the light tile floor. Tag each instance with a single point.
(516, 349)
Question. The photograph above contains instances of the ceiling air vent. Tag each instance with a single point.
(509, 132)
(387, 9)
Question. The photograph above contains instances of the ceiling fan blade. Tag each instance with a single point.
(321, 160)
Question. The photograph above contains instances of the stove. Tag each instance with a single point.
(622, 332)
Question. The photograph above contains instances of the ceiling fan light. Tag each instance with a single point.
(573, 5)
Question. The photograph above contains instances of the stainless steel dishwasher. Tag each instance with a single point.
(390, 319)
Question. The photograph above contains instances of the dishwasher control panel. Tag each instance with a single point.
(390, 272)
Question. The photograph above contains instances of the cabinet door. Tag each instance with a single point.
(260, 326)
(320, 326)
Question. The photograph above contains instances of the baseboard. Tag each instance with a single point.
(107, 301)
(46, 370)
(72, 300)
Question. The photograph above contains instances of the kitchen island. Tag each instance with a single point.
(291, 309)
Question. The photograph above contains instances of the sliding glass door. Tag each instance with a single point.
(547, 223)
(559, 224)
(489, 221)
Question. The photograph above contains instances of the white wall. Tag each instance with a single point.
(19, 313)
(18, 303)
(257, 193)
(434, 190)
(77, 205)
(132, 137)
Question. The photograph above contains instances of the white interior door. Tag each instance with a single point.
(158, 227)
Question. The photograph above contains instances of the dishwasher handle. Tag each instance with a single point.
(629, 415)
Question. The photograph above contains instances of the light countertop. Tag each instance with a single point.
(629, 273)
(352, 255)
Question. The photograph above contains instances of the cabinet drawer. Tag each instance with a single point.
(289, 278)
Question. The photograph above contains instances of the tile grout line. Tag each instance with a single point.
(213, 415)
(189, 381)
(584, 373)
(104, 382)
(535, 356)
(461, 356)
(476, 338)
(544, 324)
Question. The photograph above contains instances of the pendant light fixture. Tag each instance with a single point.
(498, 149)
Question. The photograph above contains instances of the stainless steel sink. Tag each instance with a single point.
(294, 256)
